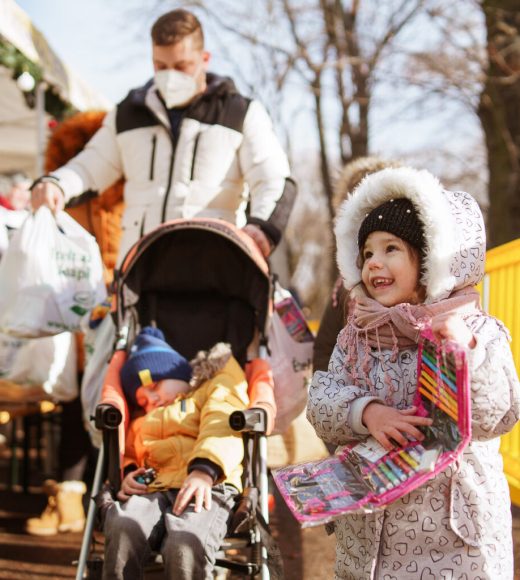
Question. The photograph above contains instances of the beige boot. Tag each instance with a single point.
(70, 506)
(47, 524)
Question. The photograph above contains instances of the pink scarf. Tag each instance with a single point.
(372, 325)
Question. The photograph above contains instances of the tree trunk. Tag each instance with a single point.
(499, 112)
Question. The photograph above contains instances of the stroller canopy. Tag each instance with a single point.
(201, 281)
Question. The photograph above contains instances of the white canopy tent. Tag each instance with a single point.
(22, 129)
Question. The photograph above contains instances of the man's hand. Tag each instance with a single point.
(129, 486)
(198, 484)
(452, 327)
(260, 239)
(385, 423)
(49, 194)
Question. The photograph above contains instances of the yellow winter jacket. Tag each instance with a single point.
(194, 426)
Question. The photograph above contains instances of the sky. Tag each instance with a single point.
(98, 40)
(106, 42)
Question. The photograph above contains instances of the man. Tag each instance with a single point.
(188, 144)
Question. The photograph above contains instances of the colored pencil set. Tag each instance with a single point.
(364, 476)
(437, 379)
(392, 469)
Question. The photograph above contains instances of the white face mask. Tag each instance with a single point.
(176, 88)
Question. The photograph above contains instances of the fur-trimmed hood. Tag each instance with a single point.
(206, 364)
(454, 229)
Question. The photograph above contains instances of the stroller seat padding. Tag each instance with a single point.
(198, 320)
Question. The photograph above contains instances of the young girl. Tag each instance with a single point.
(413, 253)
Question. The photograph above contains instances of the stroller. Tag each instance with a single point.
(201, 281)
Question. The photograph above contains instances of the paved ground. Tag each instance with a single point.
(308, 554)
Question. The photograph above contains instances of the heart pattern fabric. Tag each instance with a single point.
(458, 525)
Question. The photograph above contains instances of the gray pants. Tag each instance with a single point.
(145, 523)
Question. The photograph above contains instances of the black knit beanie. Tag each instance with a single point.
(396, 216)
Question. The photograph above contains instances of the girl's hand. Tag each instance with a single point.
(129, 486)
(385, 423)
(198, 484)
(452, 327)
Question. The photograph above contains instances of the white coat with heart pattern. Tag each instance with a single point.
(458, 525)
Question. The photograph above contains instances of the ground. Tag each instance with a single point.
(308, 554)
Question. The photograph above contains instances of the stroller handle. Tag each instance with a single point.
(254, 419)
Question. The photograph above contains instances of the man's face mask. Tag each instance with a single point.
(176, 88)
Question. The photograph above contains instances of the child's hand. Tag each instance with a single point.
(198, 484)
(452, 327)
(385, 423)
(129, 486)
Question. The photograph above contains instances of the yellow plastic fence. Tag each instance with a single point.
(500, 291)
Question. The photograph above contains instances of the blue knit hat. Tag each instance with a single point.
(151, 359)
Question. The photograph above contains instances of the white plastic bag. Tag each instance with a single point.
(50, 362)
(10, 220)
(50, 276)
(9, 348)
(4, 238)
(98, 344)
(291, 346)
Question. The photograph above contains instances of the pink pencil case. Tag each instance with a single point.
(364, 476)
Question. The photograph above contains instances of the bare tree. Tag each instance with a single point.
(500, 116)
(329, 48)
(342, 69)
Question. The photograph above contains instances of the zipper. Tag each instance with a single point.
(152, 160)
(170, 172)
(195, 147)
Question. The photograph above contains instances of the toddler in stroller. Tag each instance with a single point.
(202, 283)
(190, 451)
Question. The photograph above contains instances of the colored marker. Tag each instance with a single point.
(389, 474)
(406, 467)
(409, 459)
(416, 452)
(396, 470)
(382, 476)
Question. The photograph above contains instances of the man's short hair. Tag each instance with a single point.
(176, 25)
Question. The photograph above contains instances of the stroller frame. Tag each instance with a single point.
(249, 526)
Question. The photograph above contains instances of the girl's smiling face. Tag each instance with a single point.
(391, 269)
